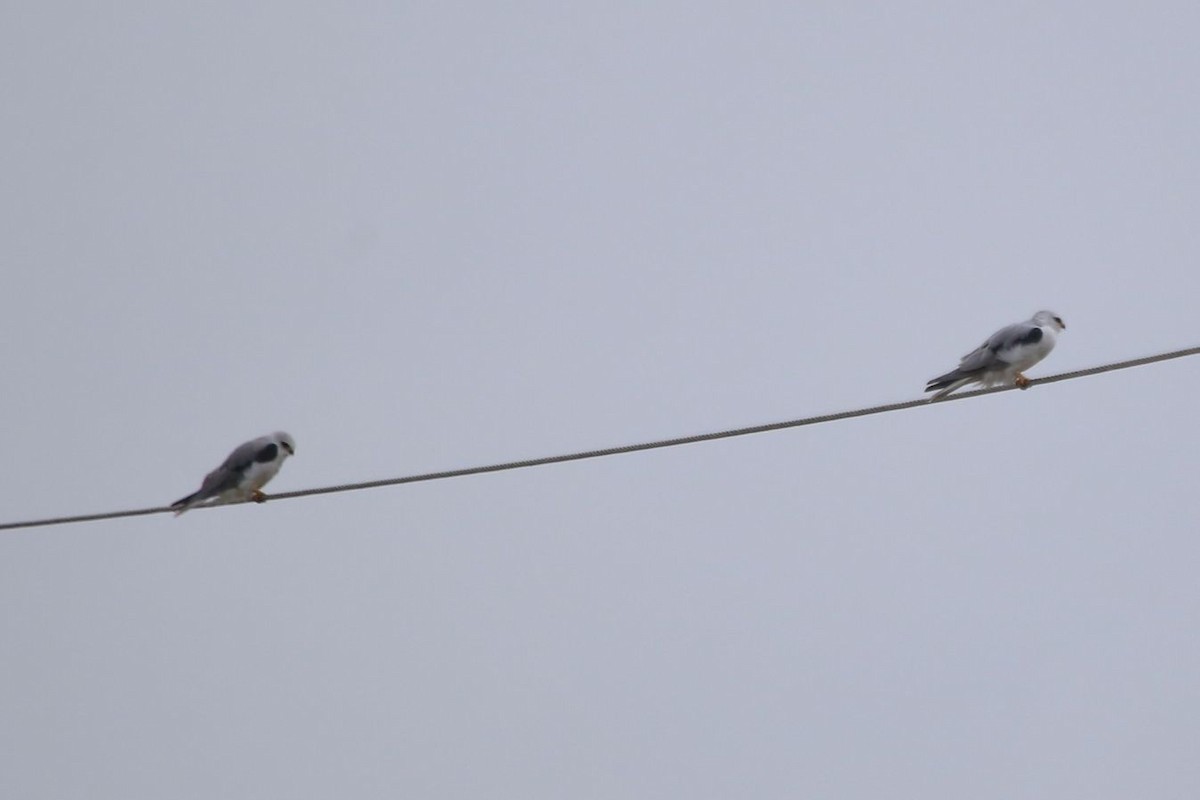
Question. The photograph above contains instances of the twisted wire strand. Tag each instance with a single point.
(623, 449)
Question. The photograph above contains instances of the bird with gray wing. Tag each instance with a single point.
(243, 474)
(1004, 356)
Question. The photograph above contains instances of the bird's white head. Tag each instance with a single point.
(285, 441)
(1049, 319)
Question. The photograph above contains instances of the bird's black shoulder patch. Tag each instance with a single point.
(267, 454)
(1033, 337)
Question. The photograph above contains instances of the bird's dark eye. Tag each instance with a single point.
(1058, 320)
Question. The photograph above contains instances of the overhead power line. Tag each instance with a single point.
(629, 448)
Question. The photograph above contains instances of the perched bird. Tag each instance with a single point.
(1004, 356)
(243, 474)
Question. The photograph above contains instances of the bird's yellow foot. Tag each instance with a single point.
(1021, 381)
(258, 497)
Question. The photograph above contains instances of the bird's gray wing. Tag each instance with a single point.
(229, 474)
(986, 355)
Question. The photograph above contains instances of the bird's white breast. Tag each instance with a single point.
(253, 479)
(1024, 356)
(258, 474)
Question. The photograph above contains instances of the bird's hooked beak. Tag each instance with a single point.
(291, 450)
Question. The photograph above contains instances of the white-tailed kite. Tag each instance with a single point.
(243, 474)
(1004, 356)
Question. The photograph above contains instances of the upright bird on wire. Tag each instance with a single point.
(1004, 357)
(242, 475)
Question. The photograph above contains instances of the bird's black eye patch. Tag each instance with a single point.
(268, 453)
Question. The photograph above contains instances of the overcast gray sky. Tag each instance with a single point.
(420, 236)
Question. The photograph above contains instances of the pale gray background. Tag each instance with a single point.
(428, 235)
